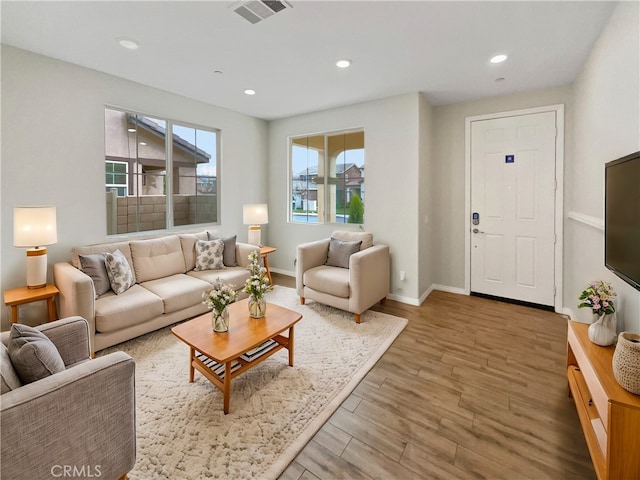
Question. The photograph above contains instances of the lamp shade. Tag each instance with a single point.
(256, 214)
(34, 226)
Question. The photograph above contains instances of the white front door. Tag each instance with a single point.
(513, 197)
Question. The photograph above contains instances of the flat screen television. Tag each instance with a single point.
(622, 218)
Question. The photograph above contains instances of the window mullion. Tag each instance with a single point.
(169, 174)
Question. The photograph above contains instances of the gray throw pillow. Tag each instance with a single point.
(93, 265)
(209, 255)
(339, 252)
(32, 354)
(10, 380)
(229, 256)
(119, 272)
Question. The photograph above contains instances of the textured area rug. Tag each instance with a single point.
(275, 409)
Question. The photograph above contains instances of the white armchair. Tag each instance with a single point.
(363, 282)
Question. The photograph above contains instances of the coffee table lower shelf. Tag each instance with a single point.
(221, 374)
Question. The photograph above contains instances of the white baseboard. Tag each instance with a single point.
(288, 273)
(401, 299)
(446, 288)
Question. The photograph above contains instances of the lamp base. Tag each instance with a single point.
(36, 268)
(254, 235)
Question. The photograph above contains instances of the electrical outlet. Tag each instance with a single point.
(402, 275)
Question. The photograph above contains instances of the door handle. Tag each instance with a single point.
(475, 230)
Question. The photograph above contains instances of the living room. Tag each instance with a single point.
(53, 153)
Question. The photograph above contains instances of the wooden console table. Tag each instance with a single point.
(609, 415)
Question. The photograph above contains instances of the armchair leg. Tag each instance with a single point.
(124, 477)
(301, 300)
(357, 317)
(383, 301)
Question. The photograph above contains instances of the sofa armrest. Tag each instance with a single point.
(309, 255)
(242, 253)
(77, 295)
(369, 277)
(71, 338)
(83, 416)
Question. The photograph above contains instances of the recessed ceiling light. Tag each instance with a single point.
(248, 91)
(343, 63)
(131, 130)
(498, 58)
(128, 43)
(143, 143)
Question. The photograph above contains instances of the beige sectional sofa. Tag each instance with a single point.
(166, 287)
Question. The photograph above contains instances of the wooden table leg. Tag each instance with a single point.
(291, 346)
(192, 358)
(266, 266)
(51, 308)
(227, 386)
(14, 314)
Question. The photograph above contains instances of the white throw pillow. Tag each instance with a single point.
(209, 255)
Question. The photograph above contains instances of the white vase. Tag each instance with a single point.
(603, 330)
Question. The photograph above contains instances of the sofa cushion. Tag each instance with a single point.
(136, 305)
(339, 252)
(177, 291)
(365, 237)
(209, 255)
(157, 258)
(229, 256)
(32, 354)
(188, 243)
(119, 272)
(102, 248)
(331, 280)
(93, 265)
(234, 276)
(9, 378)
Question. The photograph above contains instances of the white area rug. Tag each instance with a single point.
(182, 432)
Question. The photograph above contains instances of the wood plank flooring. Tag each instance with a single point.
(472, 388)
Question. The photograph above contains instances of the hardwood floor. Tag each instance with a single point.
(472, 388)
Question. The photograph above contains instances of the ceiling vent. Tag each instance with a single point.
(255, 11)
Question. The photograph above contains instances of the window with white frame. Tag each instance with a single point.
(159, 173)
(327, 178)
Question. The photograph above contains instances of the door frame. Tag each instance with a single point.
(559, 194)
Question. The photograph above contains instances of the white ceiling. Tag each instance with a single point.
(438, 48)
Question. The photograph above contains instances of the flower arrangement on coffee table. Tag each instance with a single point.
(257, 285)
(218, 298)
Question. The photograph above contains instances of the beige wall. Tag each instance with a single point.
(449, 171)
(607, 126)
(53, 152)
(391, 129)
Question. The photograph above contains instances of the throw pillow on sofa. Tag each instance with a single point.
(209, 255)
(119, 272)
(229, 255)
(93, 265)
(32, 354)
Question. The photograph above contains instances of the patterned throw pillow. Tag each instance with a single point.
(119, 272)
(209, 255)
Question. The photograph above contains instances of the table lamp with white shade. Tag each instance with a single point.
(254, 216)
(33, 228)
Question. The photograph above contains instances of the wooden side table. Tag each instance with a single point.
(19, 296)
(264, 252)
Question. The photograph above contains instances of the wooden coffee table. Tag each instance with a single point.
(221, 357)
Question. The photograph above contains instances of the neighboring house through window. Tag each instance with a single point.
(327, 178)
(152, 187)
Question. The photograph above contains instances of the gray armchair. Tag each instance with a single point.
(77, 423)
(363, 282)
